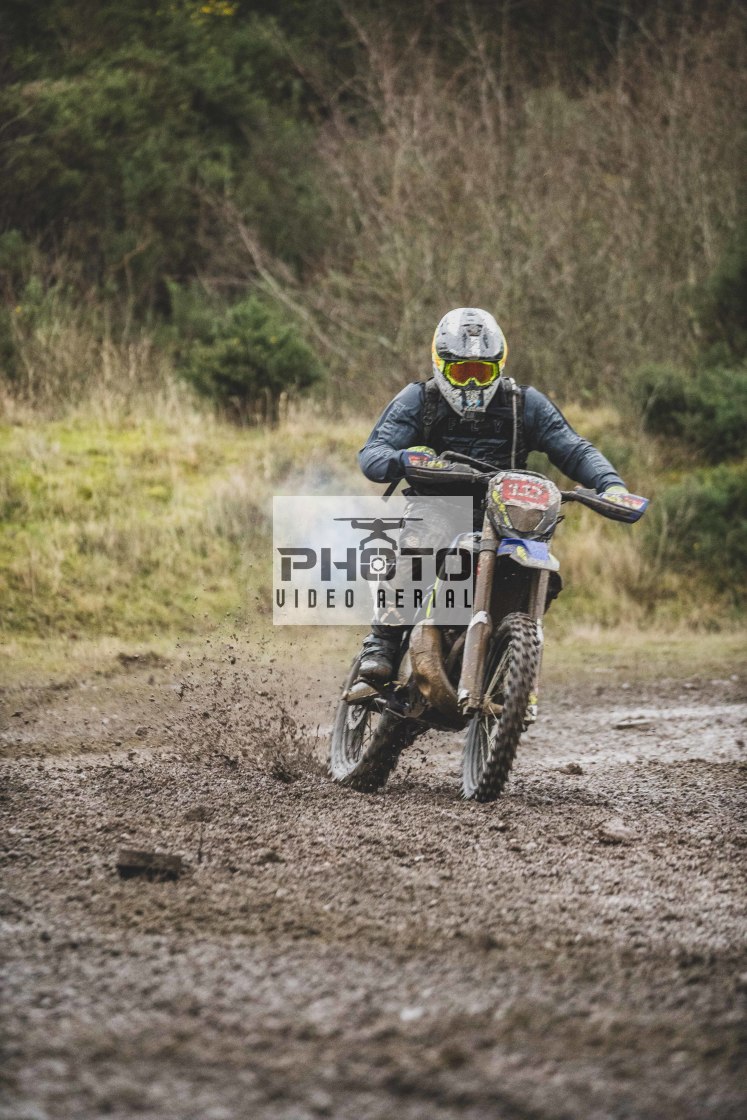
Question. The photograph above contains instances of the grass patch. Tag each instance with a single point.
(107, 530)
(600, 655)
(146, 529)
(152, 530)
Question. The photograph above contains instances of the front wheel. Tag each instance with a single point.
(366, 741)
(494, 733)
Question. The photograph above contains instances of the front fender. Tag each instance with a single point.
(530, 554)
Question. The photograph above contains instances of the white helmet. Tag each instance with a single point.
(469, 352)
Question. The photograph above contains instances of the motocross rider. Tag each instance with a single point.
(468, 406)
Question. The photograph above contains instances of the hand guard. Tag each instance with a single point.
(429, 474)
(613, 503)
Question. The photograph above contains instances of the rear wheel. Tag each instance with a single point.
(366, 740)
(494, 733)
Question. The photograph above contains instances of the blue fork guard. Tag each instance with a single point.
(530, 554)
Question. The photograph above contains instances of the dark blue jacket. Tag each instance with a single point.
(545, 429)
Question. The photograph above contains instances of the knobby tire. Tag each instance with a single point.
(491, 743)
(363, 756)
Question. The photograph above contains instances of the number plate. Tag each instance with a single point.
(527, 491)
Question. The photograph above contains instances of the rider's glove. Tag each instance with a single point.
(430, 474)
(415, 457)
(426, 452)
(616, 489)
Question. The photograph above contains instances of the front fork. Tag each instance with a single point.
(470, 690)
(537, 602)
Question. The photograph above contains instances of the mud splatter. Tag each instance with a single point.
(326, 953)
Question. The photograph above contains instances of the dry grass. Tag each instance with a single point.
(68, 358)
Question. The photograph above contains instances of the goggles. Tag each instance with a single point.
(462, 373)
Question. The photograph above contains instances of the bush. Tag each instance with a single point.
(119, 149)
(723, 300)
(707, 410)
(247, 358)
(700, 527)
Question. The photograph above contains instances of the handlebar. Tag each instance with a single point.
(478, 464)
(628, 508)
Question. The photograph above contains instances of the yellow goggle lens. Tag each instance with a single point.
(461, 374)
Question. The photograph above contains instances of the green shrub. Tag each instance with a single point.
(193, 314)
(699, 527)
(722, 304)
(706, 410)
(14, 266)
(8, 352)
(122, 150)
(247, 358)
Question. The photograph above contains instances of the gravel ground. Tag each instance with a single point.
(575, 950)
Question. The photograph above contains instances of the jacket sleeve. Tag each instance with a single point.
(548, 430)
(399, 426)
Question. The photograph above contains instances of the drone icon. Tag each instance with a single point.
(377, 527)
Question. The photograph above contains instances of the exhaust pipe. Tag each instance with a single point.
(426, 655)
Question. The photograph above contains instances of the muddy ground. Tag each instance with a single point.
(575, 950)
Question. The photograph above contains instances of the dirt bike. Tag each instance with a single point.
(484, 677)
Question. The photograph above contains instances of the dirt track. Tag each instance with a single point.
(575, 950)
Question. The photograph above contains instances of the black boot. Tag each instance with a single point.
(379, 653)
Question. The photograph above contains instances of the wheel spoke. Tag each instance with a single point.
(499, 675)
(489, 723)
(484, 743)
(365, 741)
